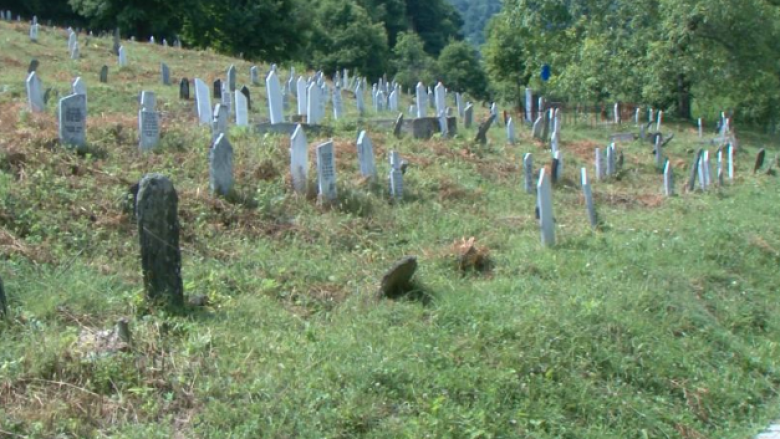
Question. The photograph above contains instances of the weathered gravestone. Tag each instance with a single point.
(599, 165)
(148, 101)
(588, 194)
(731, 162)
(483, 129)
(359, 101)
(221, 167)
(313, 96)
(537, 128)
(443, 125)
(148, 130)
(365, 153)
(611, 161)
(275, 104)
(557, 169)
(165, 74)
(720, 167)
(301, 86)
(184, 89)
(396, 176)
(398, 127)
(122, 58)
(760, 157)
(468, 116)
(704, 171)
(76, 52)
(34, 33)
(337, 103)
(73, 121)
(219, 123)
(158, 231)
(104, 74)
(202, 102)
(254, 75)
(116, 46)
(694, 171)
(34, 64)
(528, 172)
(659, 152)
(299, 159)
(668, 179)
(441, 98)
(510, 131)
(35, 93)
(72, 41)
(217, 90)
(544, 204)
(326, 173)
(422, 101)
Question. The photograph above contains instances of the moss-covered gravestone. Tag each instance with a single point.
(158, 231)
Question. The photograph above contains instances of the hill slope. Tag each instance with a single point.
(664, 323)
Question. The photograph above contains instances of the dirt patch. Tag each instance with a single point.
(629, 201)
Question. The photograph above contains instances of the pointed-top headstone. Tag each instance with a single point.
(365, 152)
(422, 100)
(73, 120)
(275, 102)
(544, 204)
(326, 172)
(299, 159)
(221, 166)
(231, 78)
(202, 102)
(35, 93)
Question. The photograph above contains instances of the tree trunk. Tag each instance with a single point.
(684, 98)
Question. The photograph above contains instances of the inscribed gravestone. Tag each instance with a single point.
(299, 159)
(365, 152)
(73, 120)
(326, 172)
(221, 166)
(158, 232)
(148, 101)
(148, 130)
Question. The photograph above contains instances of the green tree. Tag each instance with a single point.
(345, 37)
(476, 14)
(460, 69)
(410, 61)
(139, 18)
(436, 21)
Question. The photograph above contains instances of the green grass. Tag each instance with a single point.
(663, 324)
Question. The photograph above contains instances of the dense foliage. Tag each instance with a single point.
(674, 54)
(476, 15)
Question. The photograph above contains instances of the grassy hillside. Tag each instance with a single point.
(664, 324)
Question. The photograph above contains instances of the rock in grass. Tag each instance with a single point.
(397, 281)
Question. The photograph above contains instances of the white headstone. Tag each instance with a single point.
(379, 101)
(299, 159)
(659, 152)
(148, 130)
(231, 78)
(393, 101)
(73, 120)
(554, 142)
(202, 102)
(422, 101)
(221, 166)
(468, 116)
(122, 57)
(359, 101)
(668, 179)
(72, 41)
(396, 176)
(35, 93)
(588, 194)
(326, 172)
(611, 161)
(313, 99)
(616, 114)
(441, 98)
(528, 171)
(302, 95)
(76, 52)
(599, 162)
(558, 156)
(365, 152)
(219, 123)
(720, 167)
(34, 33)
(704, 171)
(275, 100)
(510, 131)
(242, 109)
(459, 105)
(731, 162)
(79, 88)
(254, 75)
(701, 128)
(337, 103)
(544, 204)
(660, 121)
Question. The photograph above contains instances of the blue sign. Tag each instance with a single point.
(546, 72)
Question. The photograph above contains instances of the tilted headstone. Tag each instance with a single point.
(148, 130)
(254, 75)
(202, 102)
(303, 104)
(759, 160)
(544, 204)
(365, 153)
(313, 95)
(122, 59)
(299, 159)
(165, 74)
(554, 142)
(231, 78)
(184, 89)
(468, 116)
(528, 172)
(588, 194)
(694, 171)
(399, 125)
(33, 67)
(35, 93)
(326, 172)
(422, 101)
(221, 166)
(242, 109)
(510, 131)
(668, 179)
(158, 232)
(483, 129)
(104, 74)
(73, 120)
